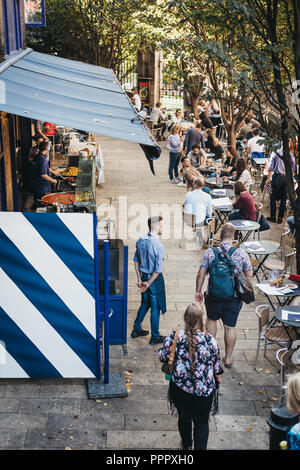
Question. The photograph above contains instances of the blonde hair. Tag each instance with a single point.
(193, 319)
(293, 393)
(227, 231)
(175, 129)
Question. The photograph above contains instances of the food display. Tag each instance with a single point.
(84, 196)
(71, 171)
(59, 198)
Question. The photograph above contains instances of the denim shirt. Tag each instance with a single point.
(149, 253)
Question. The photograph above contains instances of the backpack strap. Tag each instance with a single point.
(216, 253)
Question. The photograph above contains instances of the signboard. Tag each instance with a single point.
(35, 14)
(49, 320)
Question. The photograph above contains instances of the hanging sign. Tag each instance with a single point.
(35, 14)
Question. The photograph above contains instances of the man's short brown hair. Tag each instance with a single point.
(227, 231)
(199, 182)
(153, 221)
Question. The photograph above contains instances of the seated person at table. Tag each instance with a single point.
(197, 156)
(249, 135)
(158, 118)
(205, 120)
(244, 204)
(246, 127)
(41, 173)
(255, 149)
(242, 173)
(213, 144)
(193, 136)
(176, 119)
(190, 174)
(202, 106)
(230, 162)
(198, 202)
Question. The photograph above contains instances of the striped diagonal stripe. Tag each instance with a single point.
(47, 302)
(67, 246)
(41, 334)
(48, 264)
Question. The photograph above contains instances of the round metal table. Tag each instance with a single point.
(219, 184)
(292, 323)
(269, 248)
(228, 193)
(243, 225)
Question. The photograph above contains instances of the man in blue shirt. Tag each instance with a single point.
(192, 137)
(148, 261)
(41, 173)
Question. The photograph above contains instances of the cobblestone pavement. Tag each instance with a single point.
(57, 414)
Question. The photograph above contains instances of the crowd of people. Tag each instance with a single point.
(197, 368)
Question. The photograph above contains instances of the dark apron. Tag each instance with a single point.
(157, 288)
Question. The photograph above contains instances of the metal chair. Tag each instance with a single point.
(283, 357)
(259, 208)
(284, 265)
(268, 331)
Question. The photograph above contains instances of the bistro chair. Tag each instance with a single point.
(284, 265)
(259, 208)
(268, 332)
(283, 356)
(211, 226)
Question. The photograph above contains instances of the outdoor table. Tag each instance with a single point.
(220, 184)
(215, 193)
(270, 291)
(247, 226)
(268, 247)
(221, 213)
(282, 316)
(208, 170)
(260, 161)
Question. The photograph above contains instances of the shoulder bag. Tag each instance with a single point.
(168, 367)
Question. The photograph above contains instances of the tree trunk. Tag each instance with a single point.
(231, 136)
(194, 105)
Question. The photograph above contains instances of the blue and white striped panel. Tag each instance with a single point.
(47, 295)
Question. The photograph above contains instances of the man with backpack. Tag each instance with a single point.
(221, 299)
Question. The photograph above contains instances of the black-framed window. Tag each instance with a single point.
(13, 40)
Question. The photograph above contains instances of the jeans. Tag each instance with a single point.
(279, 193)
(291, 223)
(149, 301)
(173, 164)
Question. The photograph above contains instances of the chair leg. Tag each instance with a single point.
(257, 352)
(265, 348)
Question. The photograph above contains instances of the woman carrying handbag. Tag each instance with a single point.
(195, 377)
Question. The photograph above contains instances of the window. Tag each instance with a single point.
(12, 26)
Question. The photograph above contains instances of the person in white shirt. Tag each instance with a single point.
(198, 202)
(176, 119)
(159, 118)
(242, 173)
(136, 100)
(255, 149)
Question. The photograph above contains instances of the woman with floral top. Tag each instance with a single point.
(195, 378)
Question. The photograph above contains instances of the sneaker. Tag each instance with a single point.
(137, 333)
(279, 221)
(158, 340)
(172, 181)
(271, 219)
(178, 180)
(181, 184)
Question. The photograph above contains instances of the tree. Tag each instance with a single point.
(212, 38)
(101, 32)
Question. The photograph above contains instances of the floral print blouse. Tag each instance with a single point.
(202, 383)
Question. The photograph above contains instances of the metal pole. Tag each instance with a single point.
(98, 319)
(106, 311)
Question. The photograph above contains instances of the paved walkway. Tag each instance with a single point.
(57, 414)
